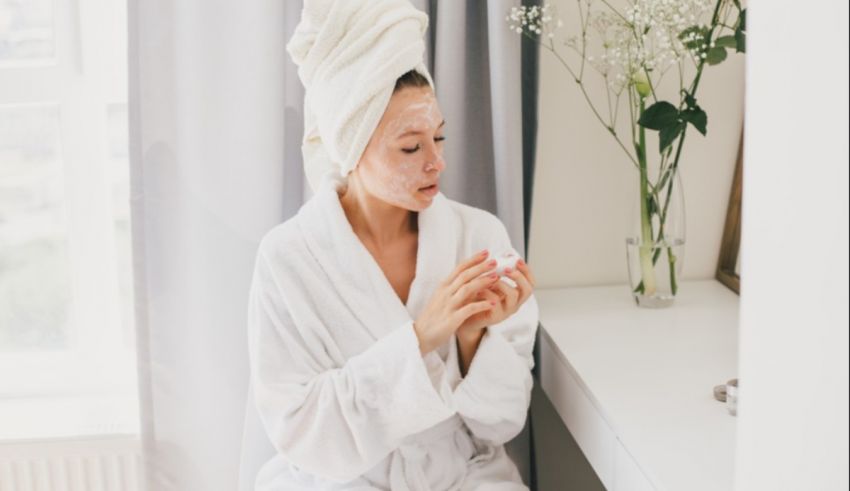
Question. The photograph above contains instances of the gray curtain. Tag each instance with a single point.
(476, 64)
(530, 75)
(486, 81)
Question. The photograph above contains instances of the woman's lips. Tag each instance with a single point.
(430, 190)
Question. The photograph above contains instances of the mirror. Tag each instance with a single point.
(729, 262)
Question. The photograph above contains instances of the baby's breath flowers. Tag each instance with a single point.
(534, 19)
(632, 49)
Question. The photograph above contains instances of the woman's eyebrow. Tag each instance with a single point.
(416, 132)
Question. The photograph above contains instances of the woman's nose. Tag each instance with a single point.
(436, 163)
(435, 160)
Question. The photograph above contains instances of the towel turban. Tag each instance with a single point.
(349, 55)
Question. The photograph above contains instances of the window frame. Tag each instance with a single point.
(80, 81)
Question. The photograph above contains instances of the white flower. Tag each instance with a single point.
(645, 37)
(535, 20)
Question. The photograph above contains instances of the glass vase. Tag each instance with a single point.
(655, 247)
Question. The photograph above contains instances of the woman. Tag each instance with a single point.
(383, 354)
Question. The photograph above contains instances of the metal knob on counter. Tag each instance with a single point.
(728, 393)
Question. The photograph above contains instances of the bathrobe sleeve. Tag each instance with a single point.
(336, 422)
(494, 397)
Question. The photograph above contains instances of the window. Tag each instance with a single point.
(67, 357)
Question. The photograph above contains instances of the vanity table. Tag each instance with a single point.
(634, 386)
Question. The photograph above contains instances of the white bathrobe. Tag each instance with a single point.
(344, 394)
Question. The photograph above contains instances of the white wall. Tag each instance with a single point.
(584, 183)
(793, 410)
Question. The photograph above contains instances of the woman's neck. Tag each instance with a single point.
(375, 220)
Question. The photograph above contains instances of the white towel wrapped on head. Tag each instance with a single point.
(349, 55)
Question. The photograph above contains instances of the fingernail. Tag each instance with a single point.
(483, 253)
(521, 262)
(494, 275)
(492, 302)
(507, 270)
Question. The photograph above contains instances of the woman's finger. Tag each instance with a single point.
(522, 283)
(466, 264)
(495, 289)
(526, 270)
(470, 309)
(510, 293)
(476, 285)
(488, 294)
(470, 274)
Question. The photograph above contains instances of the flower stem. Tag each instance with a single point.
(646, 241)
(589, 101)
(671, 258)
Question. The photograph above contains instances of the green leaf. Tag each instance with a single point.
(689, 99)
(740, 41)
(668, 135)
(715, 55)
(658, 116)
(741, 32)
(652, 207)
(697, 117)
(726, 42)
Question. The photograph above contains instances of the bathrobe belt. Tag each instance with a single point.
(406, 466)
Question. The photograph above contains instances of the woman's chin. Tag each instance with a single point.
(416, 201)
(419, 204)
(425, 198)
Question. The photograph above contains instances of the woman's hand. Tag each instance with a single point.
(508, 301)
(455, 301)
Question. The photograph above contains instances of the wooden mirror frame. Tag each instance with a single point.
(731, 242)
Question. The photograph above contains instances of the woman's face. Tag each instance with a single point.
(405, 153)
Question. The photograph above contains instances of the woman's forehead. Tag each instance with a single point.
(411, 109)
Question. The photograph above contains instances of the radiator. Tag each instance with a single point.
(96, 464)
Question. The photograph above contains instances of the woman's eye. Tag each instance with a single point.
(411, 150)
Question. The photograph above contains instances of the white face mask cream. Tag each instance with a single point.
(396, 165)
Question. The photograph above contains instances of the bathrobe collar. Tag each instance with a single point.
(355, 274)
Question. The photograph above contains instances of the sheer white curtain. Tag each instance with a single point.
(210, 134)
(215, 135)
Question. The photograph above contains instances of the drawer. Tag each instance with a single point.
(592, 434)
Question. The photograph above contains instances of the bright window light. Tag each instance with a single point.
(67, 346)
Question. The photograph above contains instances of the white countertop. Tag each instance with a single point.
(650, 374)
